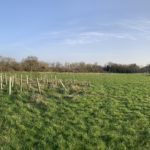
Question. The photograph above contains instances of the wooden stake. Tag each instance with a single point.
(14, 79)
(27, 79)
(10, 85)
(12, 82)
(62, 85)
(1, 78)
(21, 83)
(5, 79)
(38, 85)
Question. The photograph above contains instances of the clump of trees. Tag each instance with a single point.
(8, 64)
(32, 63)
(119, 68)
(76, 67)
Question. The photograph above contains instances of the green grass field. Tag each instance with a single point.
(113, 113)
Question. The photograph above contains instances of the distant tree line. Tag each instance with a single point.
(119, 68)
(32, 63)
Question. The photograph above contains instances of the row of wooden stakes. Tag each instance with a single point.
(12, 80)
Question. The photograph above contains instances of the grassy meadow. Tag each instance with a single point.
(89, 111)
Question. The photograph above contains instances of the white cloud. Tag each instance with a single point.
(124, 30)
(94, 37)
(139, 28)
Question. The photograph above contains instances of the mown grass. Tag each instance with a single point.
(113, 113)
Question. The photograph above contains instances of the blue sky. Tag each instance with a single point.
(76, 30)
